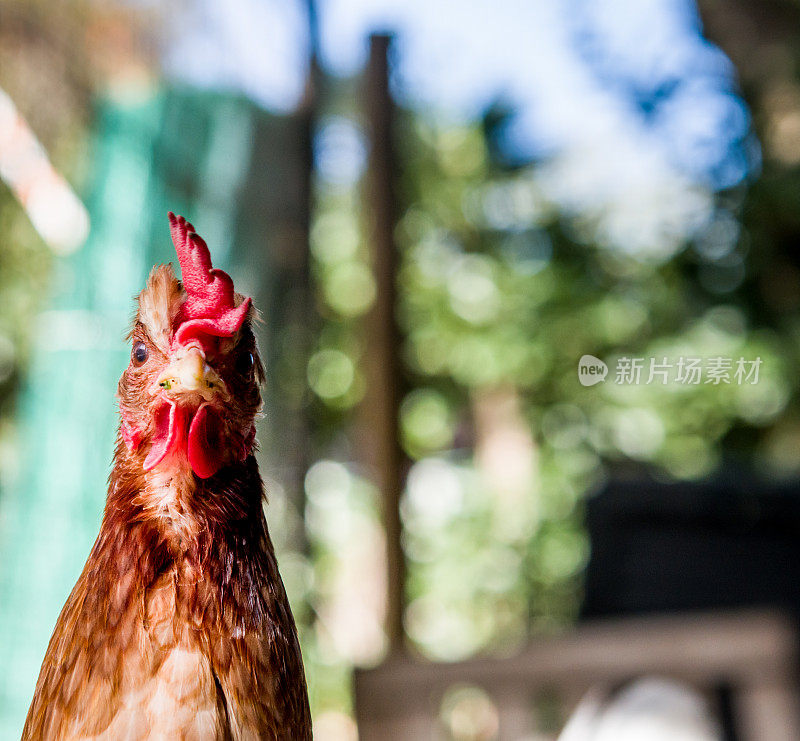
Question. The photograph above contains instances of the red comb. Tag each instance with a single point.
(209, 307)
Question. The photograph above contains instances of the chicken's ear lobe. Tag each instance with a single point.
(159, 304)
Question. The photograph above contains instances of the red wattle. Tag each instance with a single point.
(169, 423)
(205, 444)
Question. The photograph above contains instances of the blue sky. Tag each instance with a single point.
(558, 62)
(626, 100)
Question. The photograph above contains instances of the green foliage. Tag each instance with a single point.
(501, 293)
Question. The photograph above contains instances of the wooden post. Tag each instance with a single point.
(301, 295)
(382, 363)
(292, 310)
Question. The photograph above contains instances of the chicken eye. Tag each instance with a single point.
(244, 363)
(139, 354)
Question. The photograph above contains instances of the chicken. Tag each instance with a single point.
(179, 626)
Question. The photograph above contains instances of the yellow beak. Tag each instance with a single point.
(189, 373)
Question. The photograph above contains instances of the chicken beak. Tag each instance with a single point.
(191, 370)
(190, 373)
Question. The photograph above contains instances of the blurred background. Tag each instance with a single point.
(439, 208)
